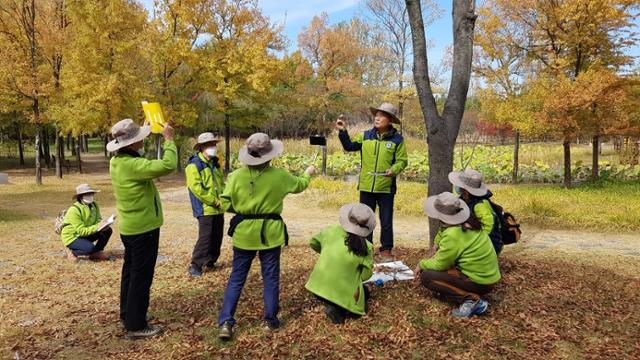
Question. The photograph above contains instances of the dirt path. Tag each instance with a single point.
(304, 220)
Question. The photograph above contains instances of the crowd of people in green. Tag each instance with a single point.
(463, 265)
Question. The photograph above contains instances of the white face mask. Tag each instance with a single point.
(211, 151)
(141, 152)
(87, 199)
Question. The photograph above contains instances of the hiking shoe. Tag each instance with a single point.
(334, 314)
(211, 266)
(225, 331)
(268, 326)
(469, 308)
(386, 256)
(149, 331)
(194, 271)
(99, 256)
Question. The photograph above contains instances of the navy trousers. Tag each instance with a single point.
(86, 246)
(270, 266)
(385, 202)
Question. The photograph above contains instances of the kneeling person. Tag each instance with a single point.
(346, 260)
(465, 265)
(83, 226)
(206, 183)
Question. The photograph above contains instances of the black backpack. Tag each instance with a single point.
(509, 227)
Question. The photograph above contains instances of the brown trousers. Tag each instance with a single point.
(454, 285)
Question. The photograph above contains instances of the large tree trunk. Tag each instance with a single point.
(516, 158)
(106, 141)
(69, 147)
(595, 170)
(73, 146)
(59, 150)
(38, 148)
(442, 130)
(566, 146)
(46, 148)
(78, 153)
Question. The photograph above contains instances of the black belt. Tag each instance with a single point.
(238, 218)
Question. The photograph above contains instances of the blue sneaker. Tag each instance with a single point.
(194, 271)
(481, 307)
(470, 308)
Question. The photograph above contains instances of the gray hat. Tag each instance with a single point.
(259, 149)
(204, 138)
(126, 132)
(357, 219)
(470, 180)
(84, 189)
(389, 109)
(447, 207)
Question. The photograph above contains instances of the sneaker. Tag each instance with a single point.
(225, 331)
(99, 256)
(481, 308)
(211, 266)
(268, 326)
(334, 314)
(469, 308)
(194, 271)
(386, 256)
(149, 331)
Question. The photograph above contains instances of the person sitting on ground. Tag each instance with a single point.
(476, 195)
(255, 193)
(384, 157)
(346, 260)
(83, 226)
(465, 265)
(205, 183)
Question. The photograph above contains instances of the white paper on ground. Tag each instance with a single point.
(396, 270)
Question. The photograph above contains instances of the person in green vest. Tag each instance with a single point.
(465, 265)
(83, 226)
(474, 192)
(255, 194)
(346, 260)
(140, 217)
(384, 156)
(205, 183)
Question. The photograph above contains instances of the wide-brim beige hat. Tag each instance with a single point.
(205, 138)
(357, 219)
(126, 132)
(389, 109)
(470, 180)
(448, 208)
(84, 189)
(259, 149)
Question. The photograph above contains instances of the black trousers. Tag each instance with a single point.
(140, 254)
(385, 202)
(454, 285)
(207, 248)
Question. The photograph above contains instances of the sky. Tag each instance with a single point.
(297, 14)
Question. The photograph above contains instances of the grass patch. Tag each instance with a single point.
(590, 206)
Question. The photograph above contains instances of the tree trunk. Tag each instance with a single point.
(227, 136)
(69, 146)
(80, 144)
(566, 145)
(46, 146)
(37, 147)
(85, 138)
(20, 145)
(442, 131)
(324, 148)
(595, 170)
(158, 147)
(59, 150)
(516, 157)
(73, 146)
(78, 153)
(63, 144)
(106, 141)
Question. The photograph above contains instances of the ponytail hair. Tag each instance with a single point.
(356, 244)
(472, 223)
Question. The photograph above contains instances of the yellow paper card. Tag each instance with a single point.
(155, 117)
